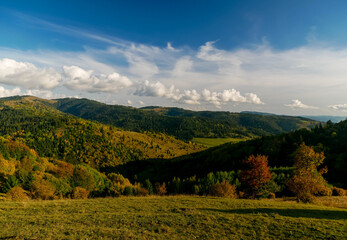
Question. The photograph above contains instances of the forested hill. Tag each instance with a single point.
(183, 124)
(53, 134)
(330, 139)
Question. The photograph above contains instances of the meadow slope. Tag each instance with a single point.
(178, 217)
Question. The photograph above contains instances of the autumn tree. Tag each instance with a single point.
(307, 181)
(223, 189)
(255, 175)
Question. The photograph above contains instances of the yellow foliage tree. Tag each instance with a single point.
(307, 181)
(7, 168)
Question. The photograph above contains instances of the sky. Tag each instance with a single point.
(276, 56)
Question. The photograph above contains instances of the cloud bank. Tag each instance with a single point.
(206, 76)
(79, 79)
(342, 107)
(27, 75)
(192, 97)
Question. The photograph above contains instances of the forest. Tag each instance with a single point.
(183, 124)
(49, 154)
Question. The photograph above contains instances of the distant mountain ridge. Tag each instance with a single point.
(319, 118)
(181, 123)
(325, 118)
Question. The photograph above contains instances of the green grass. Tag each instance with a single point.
(179, 217)
(212, 142)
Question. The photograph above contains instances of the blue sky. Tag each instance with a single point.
(287, 57)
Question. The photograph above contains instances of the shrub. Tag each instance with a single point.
(148, 185)
(338, 191)
(271, 195)
(61, 185)
(143, 192)
(7, 167)
(42, 189)
(161, 189)
(65, 169)
(9, 183)
(242, 194)
(82, 178)
(128, 191)
(196, 189)
(80, 193)
(17, 194)
(324, 191)
(223, 189)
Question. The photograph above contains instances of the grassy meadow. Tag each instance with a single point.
(213, 142)
(178, 217)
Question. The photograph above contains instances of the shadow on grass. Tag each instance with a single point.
(302, 213)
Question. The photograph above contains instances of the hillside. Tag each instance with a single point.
(178, 217)
(331, 139)
(58, 135)
(183, 124)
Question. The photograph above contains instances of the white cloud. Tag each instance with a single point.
(230, 95)
(27, 75)
(130, 102)
(342, 107)
(44, 94)
(141, 67)
(82, 80)
(208, 52)
(192, 97)
(182, 66)
(141, 103)
(157, 89)
(298, 104)
(9, 92)
(171, 48)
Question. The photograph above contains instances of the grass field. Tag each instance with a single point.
(179, 217)
(212, 142)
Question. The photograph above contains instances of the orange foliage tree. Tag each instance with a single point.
(255, 175)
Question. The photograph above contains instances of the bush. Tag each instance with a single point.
(61, 185)
(64, 169)
(196, 189)
(9, 183)
(338, 191)
(80, 193)
(82, 178)
(223, 189)
(271, 195)
(161, 189)
(242, 194)
(17, 194)
(148, 185)
(324, 191)
(128, 191)
(42, 189)
(143, 192)
(7, 167)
